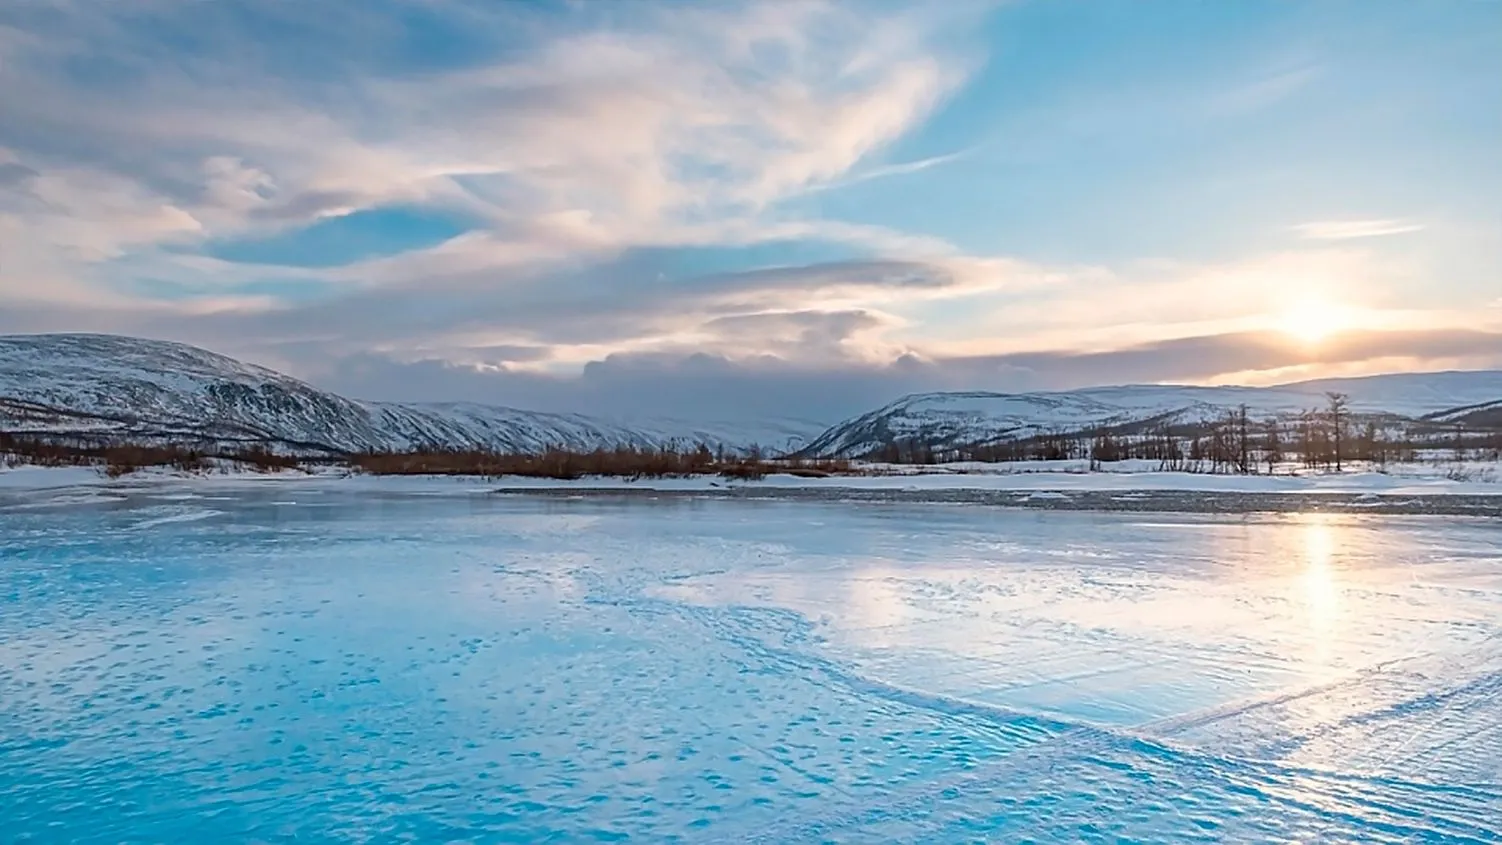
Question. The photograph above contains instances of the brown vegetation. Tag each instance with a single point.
(124, 459)
(1235, 443)
(561, 464)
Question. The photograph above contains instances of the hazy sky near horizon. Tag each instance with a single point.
(775, 208)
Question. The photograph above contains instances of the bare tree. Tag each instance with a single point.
(1458, 445)
(1243, 442)
(1338, 411)
(1370, 446)
(1272, 445)
(1309, 436)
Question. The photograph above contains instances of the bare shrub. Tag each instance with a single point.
(561, 464)
(264, 460)
(747, 470)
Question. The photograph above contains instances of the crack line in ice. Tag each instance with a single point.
(1051, 741)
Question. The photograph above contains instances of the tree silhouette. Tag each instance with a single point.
(1338, 411)
(1272, 444)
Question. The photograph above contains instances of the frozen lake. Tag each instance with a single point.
(316, 666)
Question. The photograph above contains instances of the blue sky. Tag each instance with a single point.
(676, 206)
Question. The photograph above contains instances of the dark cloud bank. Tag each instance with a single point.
(709, 386)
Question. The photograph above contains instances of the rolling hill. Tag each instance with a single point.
(1425, 402)
(107, 388)
(110, 389)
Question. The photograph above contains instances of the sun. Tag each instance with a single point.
(1311, 321)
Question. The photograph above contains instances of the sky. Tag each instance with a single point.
(781, 208)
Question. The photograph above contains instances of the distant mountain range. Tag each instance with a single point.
(105, 388)
(1426, 404)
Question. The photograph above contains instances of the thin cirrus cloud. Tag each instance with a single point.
(909, 195)
(1340, 230)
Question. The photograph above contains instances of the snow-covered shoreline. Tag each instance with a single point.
(1473, 479)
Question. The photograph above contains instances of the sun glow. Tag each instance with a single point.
(1312, 321)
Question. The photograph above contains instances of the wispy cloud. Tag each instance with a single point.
(663, 127)
(1337, 230)
(1265, 91)
(902, 168)
(656, 178)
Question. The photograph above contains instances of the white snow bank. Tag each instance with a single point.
(42, 478)
(1363, 482)
(1407, 480)
(24, 478)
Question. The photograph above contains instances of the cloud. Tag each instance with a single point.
(1335, 230)
(903, 168)
(828, 314)
(1265, 91)
(625, 189)
(1202, 358)
(807, 336)
(556, 135)
(711, 386)
(639, 301)
(698, 385)
(578, 154)
(87, 215)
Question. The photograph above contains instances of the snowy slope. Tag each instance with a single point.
(105, 386)
(776, 435)
(1414, 394)
(944, 420)
(1479, 415)
(100, 384)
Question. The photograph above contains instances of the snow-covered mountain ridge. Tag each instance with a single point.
(952, 420)
(111, 388)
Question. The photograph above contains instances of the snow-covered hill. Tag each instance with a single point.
(105, 387)
(949, 420)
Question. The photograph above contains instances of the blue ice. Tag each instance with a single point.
(326, 667)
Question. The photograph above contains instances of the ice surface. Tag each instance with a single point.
(205, 666)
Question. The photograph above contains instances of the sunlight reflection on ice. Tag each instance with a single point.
(459, 671)
(1322, 592)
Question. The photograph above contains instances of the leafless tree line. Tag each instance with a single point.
(630, 462)
(1316, 438)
